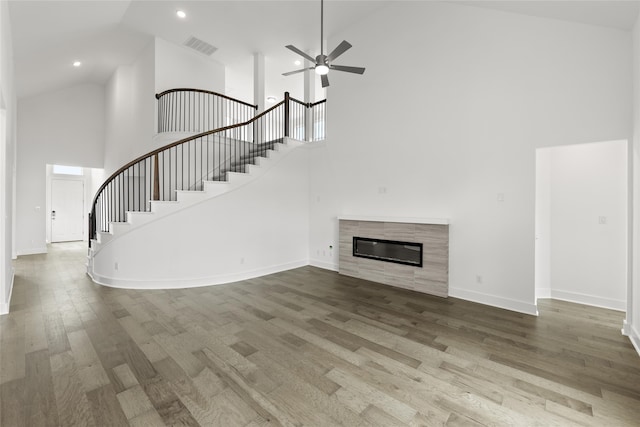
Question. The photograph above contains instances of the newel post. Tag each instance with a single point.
(286, 114)
(156, 178)
(91, 236)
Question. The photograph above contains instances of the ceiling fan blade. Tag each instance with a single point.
(339, 50)
(297, 71)
(325, 80)
(301, 53)
(356, 70)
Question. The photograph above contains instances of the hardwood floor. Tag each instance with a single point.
(303, 347)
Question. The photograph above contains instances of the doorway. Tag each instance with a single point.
(67, 210)
(581, 223)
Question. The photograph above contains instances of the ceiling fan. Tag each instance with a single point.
(324, 63)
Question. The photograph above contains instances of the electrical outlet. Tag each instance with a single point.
(478, 279)
(242, 260)
(115, 266)
(602, 220)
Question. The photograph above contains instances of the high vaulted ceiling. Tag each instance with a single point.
(49, 35)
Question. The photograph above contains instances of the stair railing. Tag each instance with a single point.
(197, 110)
(189, 163)
(316, 125)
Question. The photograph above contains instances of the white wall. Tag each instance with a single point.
(179, 67)
(632, 322)
(256, 229)
(587, 183)
(543, 223)
(130, 111)
(130, 97)
(476, 92)
(63, 127)
(7, 158)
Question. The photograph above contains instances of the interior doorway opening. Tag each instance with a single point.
(581, 223)
(70, 191)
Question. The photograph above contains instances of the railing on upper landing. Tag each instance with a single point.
(197, 110)
(238, 135)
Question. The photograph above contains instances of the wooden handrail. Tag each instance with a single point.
(307, 104)
(304, 104)
(161, 94)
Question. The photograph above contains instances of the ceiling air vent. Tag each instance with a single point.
(200, 46)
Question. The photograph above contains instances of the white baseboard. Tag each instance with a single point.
(596, 301)
(32, 251)
(124, 283)
(543, 293)
(5, 305)
(495, 301)
(626, 328)
(323, 264)
(634, 336)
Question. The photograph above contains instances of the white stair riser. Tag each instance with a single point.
(104, 237)
(215, 188)
(190, 196)
(162, 207)
(139, 218)
(119, 227)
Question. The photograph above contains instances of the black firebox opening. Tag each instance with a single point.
(408, 253)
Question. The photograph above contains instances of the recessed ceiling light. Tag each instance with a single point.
(297, 62)
(77, 63)
(181, 14)
(271, 99)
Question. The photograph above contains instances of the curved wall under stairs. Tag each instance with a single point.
(258, 227)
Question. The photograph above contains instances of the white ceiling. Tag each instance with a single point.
(49, 35)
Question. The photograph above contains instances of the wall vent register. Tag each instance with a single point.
(407, 253)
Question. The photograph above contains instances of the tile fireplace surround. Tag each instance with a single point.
(431, 278)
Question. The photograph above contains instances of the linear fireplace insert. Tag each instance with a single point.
(408, 253)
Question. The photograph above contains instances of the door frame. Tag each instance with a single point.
(86, 179)
(629, 244)
(83, 203)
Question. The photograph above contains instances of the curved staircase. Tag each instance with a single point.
(190, 172)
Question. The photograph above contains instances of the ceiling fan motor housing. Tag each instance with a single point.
(321, 60)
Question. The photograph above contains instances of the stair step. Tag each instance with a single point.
(138, 218)
(190, 196)
(118, 227)
(103, 237)
(237, 177)
(214, 188)
(163, 206)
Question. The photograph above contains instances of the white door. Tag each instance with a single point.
(67, 210)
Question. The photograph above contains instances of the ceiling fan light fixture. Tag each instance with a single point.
(322, 70)
(324, 62)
